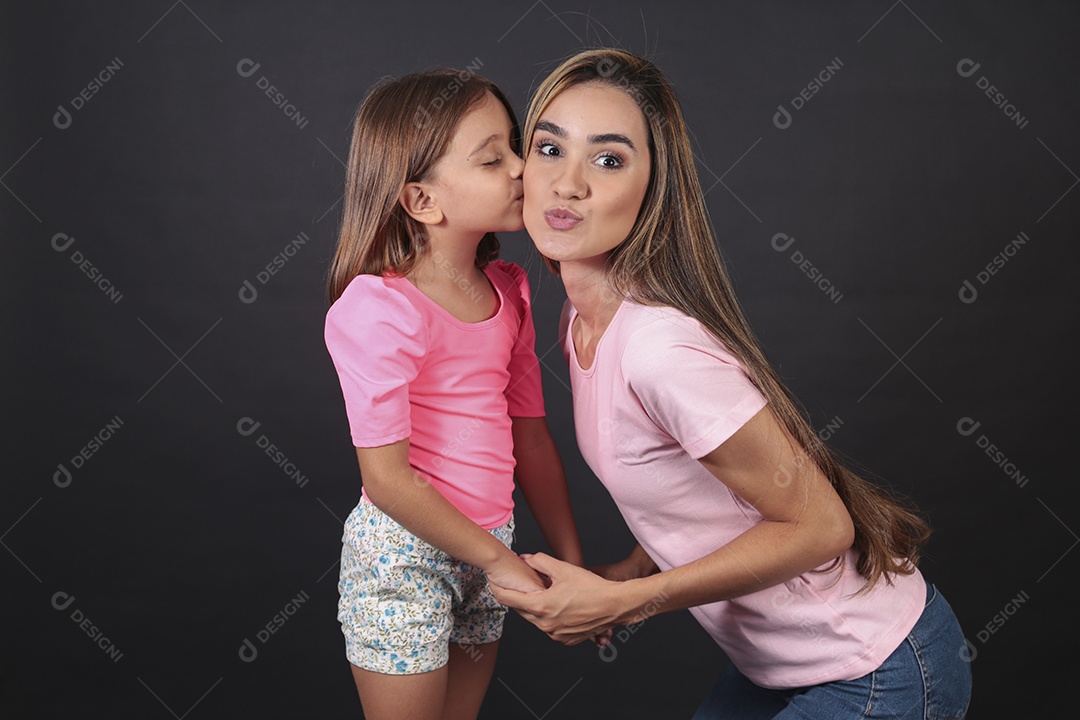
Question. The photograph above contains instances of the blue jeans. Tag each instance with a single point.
(925, 678)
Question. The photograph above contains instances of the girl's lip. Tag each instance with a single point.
(561, 218)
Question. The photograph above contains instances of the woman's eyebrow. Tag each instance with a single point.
(551, 127)
(612, 138)
(548, 126)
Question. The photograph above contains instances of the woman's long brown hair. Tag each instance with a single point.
(671, 258)
(402, 128)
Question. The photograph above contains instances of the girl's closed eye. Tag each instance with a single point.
(490, 163)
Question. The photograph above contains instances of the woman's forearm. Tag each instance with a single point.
(766, 555)
(579, 604)
(542, 480)
(804, 522)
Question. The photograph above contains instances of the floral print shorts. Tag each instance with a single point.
(402, 601)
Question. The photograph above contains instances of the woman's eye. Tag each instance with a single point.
(547, 149)
(493, 162)
(609, 162)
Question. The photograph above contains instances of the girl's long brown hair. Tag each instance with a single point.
(671, 258)
(402, 128)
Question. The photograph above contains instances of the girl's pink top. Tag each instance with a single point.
(661, 393)
(409, 369)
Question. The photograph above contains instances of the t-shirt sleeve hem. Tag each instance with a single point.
(725, 427)
(528, 412)
(371, 441)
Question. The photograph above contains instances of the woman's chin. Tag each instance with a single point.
(549, 247)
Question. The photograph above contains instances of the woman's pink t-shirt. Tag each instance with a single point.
(661, 393)
(410, 369)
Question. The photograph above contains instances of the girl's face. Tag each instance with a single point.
(587, 173)
(478, 181)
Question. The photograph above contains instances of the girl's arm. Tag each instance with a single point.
(405, 495)
(542, 480)
(805, 525)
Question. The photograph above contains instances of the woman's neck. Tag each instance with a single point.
(587, 288)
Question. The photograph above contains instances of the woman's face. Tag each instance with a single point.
(586, 173)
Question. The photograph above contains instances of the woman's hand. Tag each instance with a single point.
(578, 606)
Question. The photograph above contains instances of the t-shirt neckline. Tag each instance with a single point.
(599, 343)
(448, 316)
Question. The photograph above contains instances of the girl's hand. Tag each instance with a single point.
(512, 573)
(603, 639)
(636, 565)
(621, 571)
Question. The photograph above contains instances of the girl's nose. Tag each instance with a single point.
(517, 166)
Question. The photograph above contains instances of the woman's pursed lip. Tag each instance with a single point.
(561, 218)
(562, 212)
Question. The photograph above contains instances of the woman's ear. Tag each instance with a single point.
(417, 200)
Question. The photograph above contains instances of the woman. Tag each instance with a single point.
(804, 573)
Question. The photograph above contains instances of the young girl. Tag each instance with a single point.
(432, 339)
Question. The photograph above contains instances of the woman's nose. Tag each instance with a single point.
(569, 181)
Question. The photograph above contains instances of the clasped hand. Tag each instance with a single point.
(578, 605)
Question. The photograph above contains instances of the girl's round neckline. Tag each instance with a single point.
(448, 316)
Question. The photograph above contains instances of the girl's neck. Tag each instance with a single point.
(448, 275)
(587, 288)
(445, 260)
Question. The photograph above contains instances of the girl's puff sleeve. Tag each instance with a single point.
(524, 392)
(378, 343)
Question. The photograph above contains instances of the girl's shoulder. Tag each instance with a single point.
(374, 325)
(512, 281)
(375, 296)
(376, 312)
(510, 273)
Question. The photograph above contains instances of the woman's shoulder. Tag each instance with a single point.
(657, 336)
(649, 324)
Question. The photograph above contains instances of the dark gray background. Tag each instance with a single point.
(179, 180)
